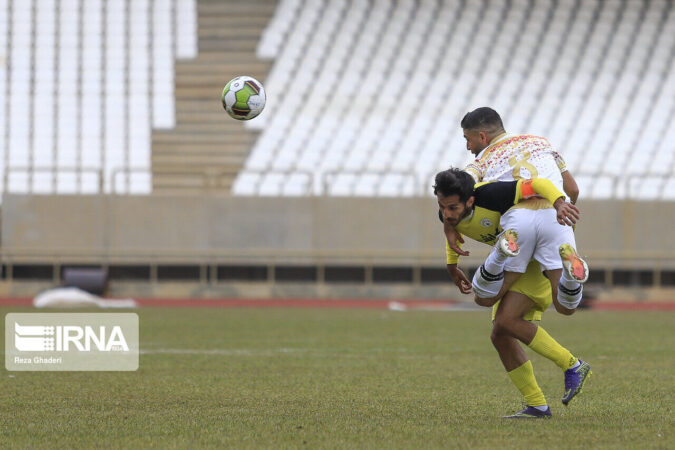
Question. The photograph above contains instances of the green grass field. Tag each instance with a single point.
(277, 378)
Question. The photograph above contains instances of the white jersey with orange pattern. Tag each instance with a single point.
(515, 156)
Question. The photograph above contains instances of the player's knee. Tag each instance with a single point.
(501, 325)
(496, 336)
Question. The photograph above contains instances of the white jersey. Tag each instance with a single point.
(514, 156)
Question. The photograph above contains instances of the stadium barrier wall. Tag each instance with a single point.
(308, 239)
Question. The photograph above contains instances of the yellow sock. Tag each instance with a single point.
(523, 379)
(548, 347)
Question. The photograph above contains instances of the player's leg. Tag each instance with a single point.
(510, 351)
(512, 253)
(576, 371)
(522, 377)
(489, 278)
(566, 294)
(517, 364)
(487, 293)
(555, 251)
(574, 274)
(554, 277)
(509, 320)
(509, 317)
(574, 267)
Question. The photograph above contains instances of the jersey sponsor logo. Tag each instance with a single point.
(489, 237)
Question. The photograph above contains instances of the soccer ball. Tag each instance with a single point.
(243, 98)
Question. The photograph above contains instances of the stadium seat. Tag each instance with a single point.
(90, 183)
(297, 184)
(668, 191)
(283, 19)
(186, 28)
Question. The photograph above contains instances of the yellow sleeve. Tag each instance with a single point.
(537, 186)
(452, 257)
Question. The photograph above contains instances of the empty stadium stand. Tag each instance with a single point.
(364, 97)
(83, 83)
(377, 112)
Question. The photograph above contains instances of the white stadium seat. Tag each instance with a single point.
(77, 85)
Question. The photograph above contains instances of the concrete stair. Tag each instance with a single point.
(208, 148)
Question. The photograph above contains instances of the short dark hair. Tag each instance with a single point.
(483, 119)
(454, 182)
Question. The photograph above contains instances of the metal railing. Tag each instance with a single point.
(623, 186)
(330, 175)
(54, 171)
(209, 261)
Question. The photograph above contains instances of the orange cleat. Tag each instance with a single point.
(576, 268)
(508, 243)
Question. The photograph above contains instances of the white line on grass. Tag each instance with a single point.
(219, 351)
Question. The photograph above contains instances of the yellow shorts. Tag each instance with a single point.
(534, 285)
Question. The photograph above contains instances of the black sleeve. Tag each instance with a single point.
(496, 196)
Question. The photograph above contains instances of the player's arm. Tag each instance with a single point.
(475, 170)
(457, 275)
(453, 237)
(537, 186)
(502, 195)
(569, 184)
(567, 213)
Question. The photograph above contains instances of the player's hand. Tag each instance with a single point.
(460, 279)
(567, 213)
(453, 236)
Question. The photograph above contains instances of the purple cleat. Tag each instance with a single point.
(531, 413)
(575, 379)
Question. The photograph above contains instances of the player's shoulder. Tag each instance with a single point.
(506, 143)
(540, 140)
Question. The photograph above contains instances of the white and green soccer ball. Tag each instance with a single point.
(243, 97)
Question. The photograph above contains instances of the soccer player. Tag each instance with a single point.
(476, 212)
(506, 157)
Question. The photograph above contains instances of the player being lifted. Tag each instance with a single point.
(476, 211)
(506, 157)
